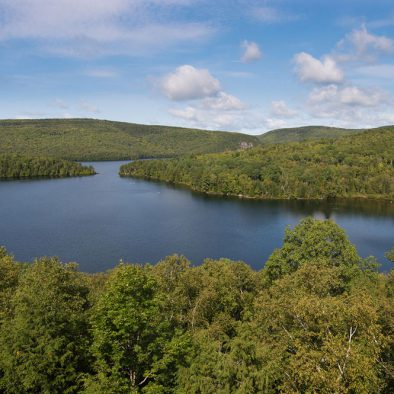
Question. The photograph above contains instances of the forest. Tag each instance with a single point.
(297, 134)
(355, 166)
(14, 166)
(95, 140)
(317, 318)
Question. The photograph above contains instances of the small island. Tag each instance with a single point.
(14, 166)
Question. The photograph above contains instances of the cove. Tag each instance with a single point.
(98, 220)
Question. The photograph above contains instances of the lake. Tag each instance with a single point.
(99, 220)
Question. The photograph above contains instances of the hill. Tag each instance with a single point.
(296, 134)
(90, 139)
(359, 165)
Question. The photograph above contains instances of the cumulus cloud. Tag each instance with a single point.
(211, 107)
(241, 120)
(349, 95)
(251, 53)
(281, 110)
(223, 102)
(189, 83)
(310, 69)
(360, 45)
(345, 103)
(96, 27)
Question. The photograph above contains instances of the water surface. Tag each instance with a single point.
(99, 220)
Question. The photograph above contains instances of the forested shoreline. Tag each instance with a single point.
(14, 166)
(316, 318)
(355, 166)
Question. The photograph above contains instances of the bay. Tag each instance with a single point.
(98, 220)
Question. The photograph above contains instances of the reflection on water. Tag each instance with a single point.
(99, 220)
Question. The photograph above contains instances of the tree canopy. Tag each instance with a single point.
(17, 166)
(316, 319)
(359, 165)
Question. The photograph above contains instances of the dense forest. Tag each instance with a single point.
(316, 319)
(18, 166)
(297, 134)
(359, 165)
(90, 139)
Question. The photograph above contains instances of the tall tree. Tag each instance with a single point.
(45, 343)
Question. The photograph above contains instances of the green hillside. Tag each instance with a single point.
(296, 134)
(359, 165)
(90, 139)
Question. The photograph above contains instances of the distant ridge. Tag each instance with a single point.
(91, 139)
(297, 134)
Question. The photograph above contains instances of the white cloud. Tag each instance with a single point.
(348, 106)
(281, 110)
(251, 53)
(212, 107)
(310, 69)
(97, 27)
(221, 112)
(189, 83)
(241, 120)
(223, 102)
(346, 96)
(360, 45)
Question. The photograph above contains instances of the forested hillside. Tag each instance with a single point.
(89, 139)
(316, 319)
(360, 165)
(17, 166)
(296, 134)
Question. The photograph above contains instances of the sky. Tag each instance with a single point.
(236, 65)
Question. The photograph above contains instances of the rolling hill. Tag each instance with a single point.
(360, 165)
(297, 134)
(90, 139)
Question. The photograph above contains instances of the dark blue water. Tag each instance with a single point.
(99, 220)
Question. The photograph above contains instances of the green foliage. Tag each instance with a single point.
(133, 341)
(359, 165)
(312, 240)
(90, 139)
(314, 336)
(44, 343)
(390, 254)
(17, 166)
(297, 134)
(316, 319)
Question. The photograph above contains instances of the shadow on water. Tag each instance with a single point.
(325, 209)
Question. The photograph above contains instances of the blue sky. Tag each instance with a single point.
(234, 65)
